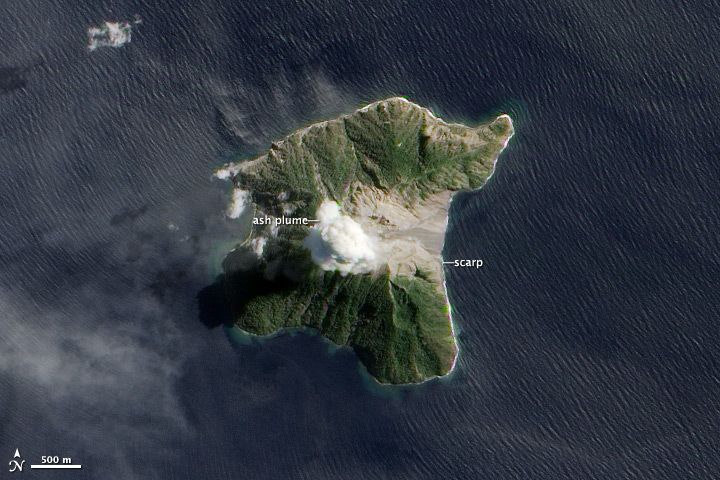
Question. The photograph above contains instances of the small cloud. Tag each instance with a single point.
(240, 201)
(110, 34)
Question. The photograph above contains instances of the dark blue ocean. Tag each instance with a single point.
(590, 345)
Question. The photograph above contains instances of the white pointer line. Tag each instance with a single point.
(55, 466)
(446, 263)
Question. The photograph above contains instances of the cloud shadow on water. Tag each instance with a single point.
(15, 77)
(245, 279)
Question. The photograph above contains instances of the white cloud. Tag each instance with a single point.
(110, 34)
(339, 243)
(240, 200)
(258, 245)
(113, 372)
(227, 171)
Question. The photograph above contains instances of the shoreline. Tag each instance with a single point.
(229, 170)
(442, 259)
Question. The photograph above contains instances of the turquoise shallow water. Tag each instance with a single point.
(588, 337)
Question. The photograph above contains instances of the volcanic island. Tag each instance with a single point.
(349, 218)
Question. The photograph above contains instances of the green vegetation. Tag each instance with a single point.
(397, 324)
(398, 327)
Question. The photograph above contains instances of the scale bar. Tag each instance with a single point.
(55, 466)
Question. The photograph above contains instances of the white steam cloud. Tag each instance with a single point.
(227, 171)
(240, 200)
(339, 243)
